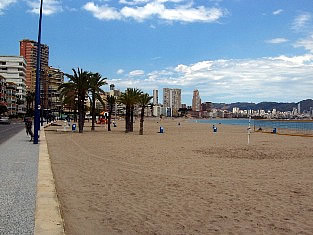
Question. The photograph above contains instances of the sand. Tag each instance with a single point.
(188, 180)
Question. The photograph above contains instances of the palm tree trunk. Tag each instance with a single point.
(109, 120)
(142, 115)
(127, 118)
(93, 111)
(27, 106)
(81, 114)
(80, 121)
(131, 119)
(84, 114)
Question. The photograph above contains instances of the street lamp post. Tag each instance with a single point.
(37, 91)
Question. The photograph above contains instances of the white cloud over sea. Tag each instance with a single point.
(268, 78)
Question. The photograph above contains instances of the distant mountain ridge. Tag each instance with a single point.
(279, 106)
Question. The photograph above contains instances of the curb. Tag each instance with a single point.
(48, 219)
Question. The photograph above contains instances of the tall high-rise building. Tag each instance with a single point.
(13, 69)
(299, 108)
(51, 95)
(3, 91)
(28, 49)
(155, 97)
(196, 101)
(11, 99)
(172, 100)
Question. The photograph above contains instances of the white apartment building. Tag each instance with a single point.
(13, 69)
(236, 110)
(157, 110)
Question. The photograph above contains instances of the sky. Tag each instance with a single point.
(230, 50)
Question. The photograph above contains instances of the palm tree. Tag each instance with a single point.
(79, 84)
(95, 84)
(135, 94)
(125, 99)
(3, 108)
(69, 99)
(144, 100)
(151, 107)
(30, 98)
(111, 102)
(130, 98)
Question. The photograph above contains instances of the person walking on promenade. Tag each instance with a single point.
(28, 127)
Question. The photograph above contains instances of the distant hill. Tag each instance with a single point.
(305, 106)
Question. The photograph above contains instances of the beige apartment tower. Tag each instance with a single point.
(51, 94)
(155, 97)
(172, 100)
(196, 101)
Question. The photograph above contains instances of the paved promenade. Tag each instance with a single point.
(18, 180)
(7, 131)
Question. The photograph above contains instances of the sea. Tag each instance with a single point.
(286, 124)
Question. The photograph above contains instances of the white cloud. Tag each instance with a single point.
(277, 40)
(120, 71)
(71, 9)
(142, 13)
(134, 2)
(307, 43)
(102, 12)
(136, 73)
(4, 4)
(269, 78)
(49, 6)
(156, 58)
(277, 12)
(140, 10)
(302, 21)
(200, 14)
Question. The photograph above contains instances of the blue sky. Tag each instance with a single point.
(231, 50)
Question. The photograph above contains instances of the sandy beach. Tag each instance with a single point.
(188, 180)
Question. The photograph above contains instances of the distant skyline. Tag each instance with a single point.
(231, 51)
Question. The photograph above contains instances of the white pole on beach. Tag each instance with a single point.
(249, 129)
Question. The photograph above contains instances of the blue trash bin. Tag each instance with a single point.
(74, 127)
(274, 130)
(215, 129)
(161, 129)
